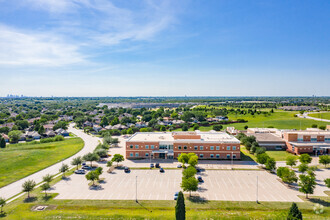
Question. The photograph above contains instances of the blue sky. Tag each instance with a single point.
(165, 48)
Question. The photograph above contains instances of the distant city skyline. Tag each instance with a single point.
(99, 48)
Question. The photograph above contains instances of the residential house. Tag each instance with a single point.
(5, 137)
(33, 135)
(50, 133)
(62, 132)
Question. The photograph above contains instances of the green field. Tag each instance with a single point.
(18, 161)
(277, 155)
(325, 115)
(278, 119)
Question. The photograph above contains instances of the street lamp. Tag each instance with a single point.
(257, 190)
(232, 160)
(136, 190)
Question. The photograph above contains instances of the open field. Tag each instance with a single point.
(24, 159)
(278, 119)
(325, 115)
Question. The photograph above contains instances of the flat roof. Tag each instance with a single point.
(268, 137)
(207, 137)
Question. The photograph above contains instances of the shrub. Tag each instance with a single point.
(59, 138)
(260, 150)
(47, 140)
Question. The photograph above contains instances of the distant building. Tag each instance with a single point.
(232, 130)
(169, 145)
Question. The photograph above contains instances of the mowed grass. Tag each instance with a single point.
(324, 115)
(18, 161)
(278, 119)
(277, 155)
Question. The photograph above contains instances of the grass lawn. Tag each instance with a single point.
(325, 115)
(18, 161)
(128, 209)
(277, 155)
(278, 119)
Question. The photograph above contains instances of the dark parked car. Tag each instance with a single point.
(79, 171)
(161, 170)
(179, 166)
(152, 165)
(176, 195)
(198, 169)
(83, 164)
(127, 170)
(200, 179)
(157, 165)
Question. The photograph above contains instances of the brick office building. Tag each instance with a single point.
(169, 145)
(313, 142)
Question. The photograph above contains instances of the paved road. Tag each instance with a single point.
(305, 115)
(16, 187)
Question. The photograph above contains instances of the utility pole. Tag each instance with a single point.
(136, 190)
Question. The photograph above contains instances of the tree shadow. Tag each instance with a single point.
(198, 199)
(66, 178)
(96, 187)
(143, 206)
(319, 201)
(30, 199)
(3, 214)
(46, 198)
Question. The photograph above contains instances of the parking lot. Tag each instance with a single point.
(153, 185)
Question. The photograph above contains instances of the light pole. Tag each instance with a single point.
(136, 190)
(257, 190)
(232, 160)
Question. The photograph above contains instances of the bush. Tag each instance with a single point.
(59, 138)
(47, 140)
(260, 150)
(218, 127)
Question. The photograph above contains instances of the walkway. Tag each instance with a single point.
(16, 187)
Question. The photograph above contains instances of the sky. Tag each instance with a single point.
(165, 48)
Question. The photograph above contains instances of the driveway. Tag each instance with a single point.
(16, 187)
(305, 115)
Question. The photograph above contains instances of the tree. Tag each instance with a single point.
(217, 127)
(45, 187)
(76, 161)
(271, 164)
(324, 159)
(189, 184)
(262, 158)
(3, 203)
(109, 163)
(28, 186)
(307, 184)
(92, 175)
(183, 158)
(47, 178)
(189, 172)
(2, 142)
(287, 175)
(99, 170)
(185, 127)
(291, 161)
(260, 150)
(303, 167)
(246, 127)
(294, 213)
(314, 125)
(41, 130)
(195, 127)
(193, 160)
(180, 208)
(91, 157)
(101, 152)
(63, 169)
(117, 158)
(305, 158)
(327, 182)
(14, 136)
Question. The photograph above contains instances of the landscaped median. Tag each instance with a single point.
(19, 161)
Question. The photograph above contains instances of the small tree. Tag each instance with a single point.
(92, 175)
(189, 172)
(2, 204)
(183, 158)
(41, 130)
(28, 186)
(271, 164)
(307, 184)
(287, 175)
(64, 168)
(303, 167)
(118, 158)
(260, 150)
(109, 163)
(180, 208)
(91, 157)
(327, 182)
(14, 136)
(217, 127)
(47, 178)
(324, 159)
(45, 187)
(262, 158)
(2, 142)
(193, 159)
(291, 161)
(294, 213)
(76, 162)
(189, 184)
(305, 158)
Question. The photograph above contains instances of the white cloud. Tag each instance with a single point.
(22, 48)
